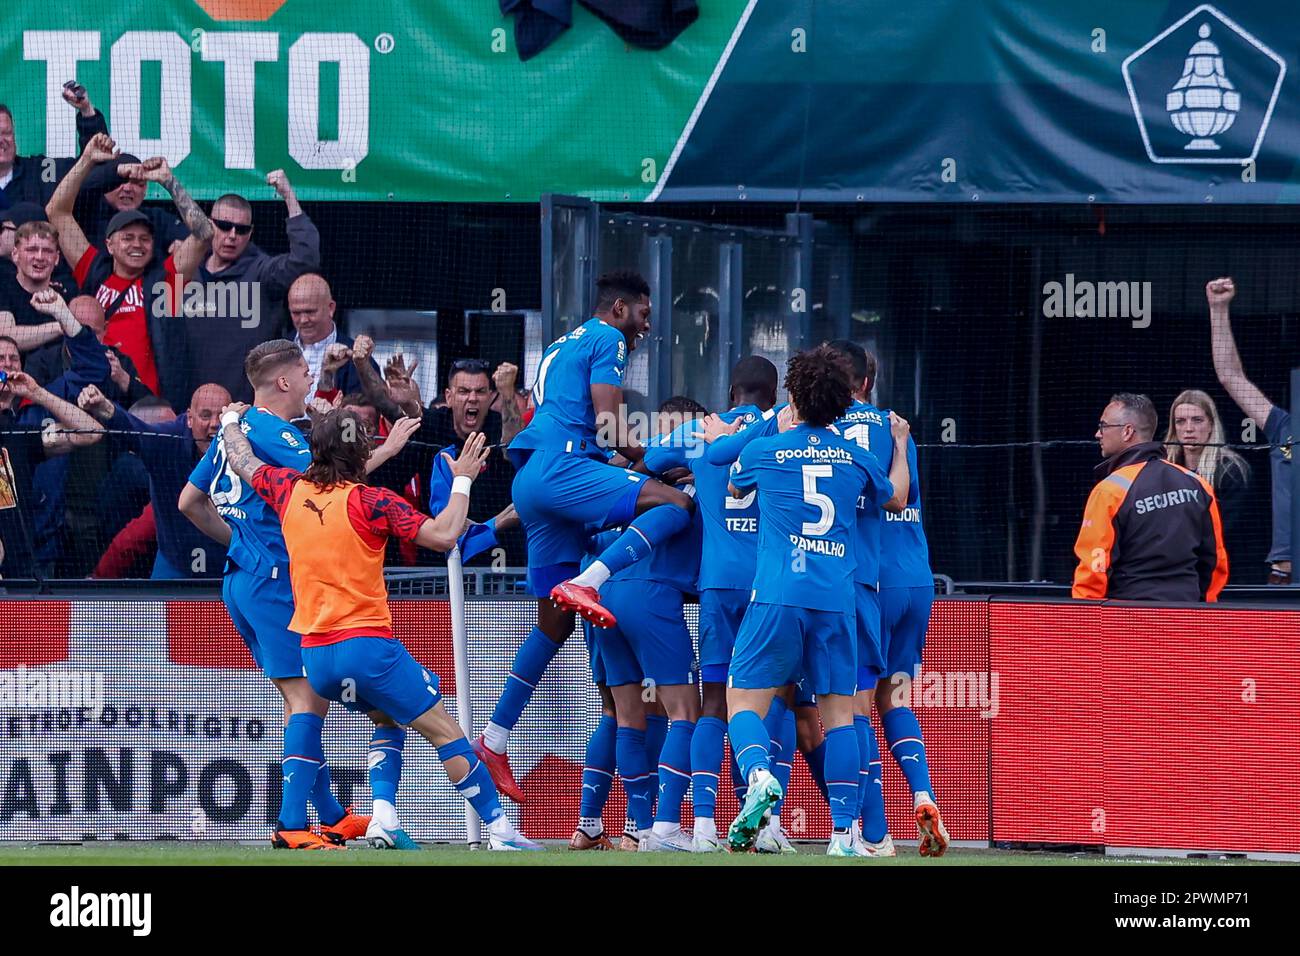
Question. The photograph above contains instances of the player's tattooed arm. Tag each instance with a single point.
(372, 386)
(239, 453)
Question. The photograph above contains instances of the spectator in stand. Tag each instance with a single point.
(26, 178)
(11, 220)
(123, 384)
(126, 517)
(137, 300)
(25, 442)
(311, 309)
(35, 254)
(1194, 440)
(468, 395)
(218, 343)
(169, 453)
(85, 365)
(1151, 529)
(116, 187)
(1273, 420)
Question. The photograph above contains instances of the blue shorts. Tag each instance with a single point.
(593, 653)
(904, 619)
(650, 640)
(776, 642)
(871, 662)
(560, 498)
(372, 673)
(261, 609)
(720, 615)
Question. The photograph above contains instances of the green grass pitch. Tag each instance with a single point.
(238, 854)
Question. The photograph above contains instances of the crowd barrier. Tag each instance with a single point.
(1046, 722)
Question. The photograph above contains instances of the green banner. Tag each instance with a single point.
(407, 100)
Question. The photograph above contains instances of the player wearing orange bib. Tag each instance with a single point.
(335, 530)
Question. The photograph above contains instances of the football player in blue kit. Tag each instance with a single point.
(801, 618)
(258, 597)
(868, 426)
(730, 529)
(564, 486)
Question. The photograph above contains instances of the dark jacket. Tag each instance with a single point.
(170, 453)
(1151, 532)
(218, 340)
(29, 182)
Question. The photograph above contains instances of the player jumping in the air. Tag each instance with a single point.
(258, 596)
(801, 618)
(564, 487)
(867, 425)
(335, 530)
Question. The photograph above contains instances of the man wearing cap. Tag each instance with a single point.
(24, 178)
(108, 191)
(137, 299)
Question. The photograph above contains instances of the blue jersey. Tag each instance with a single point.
(730, 546)
(565, 420)
(256, 540)
(868, 426)
(728, 448)
(809, 481)
(675, 562)
(904, 555)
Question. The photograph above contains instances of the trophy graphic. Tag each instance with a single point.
(1203, 103)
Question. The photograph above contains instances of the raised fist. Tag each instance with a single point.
(153, 170)
(101, 148)
(362, 346)
(899, 427)
(336, 356)
(278, 181)
(1219, 292)
(504, 378)
(48, 302)
(94, 402)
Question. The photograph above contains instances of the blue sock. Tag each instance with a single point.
(656, 732)
(816, 759)
(785, 760)
(775, 718)
(871, 798)
(903, 734)
(385, 760)
(476, 786)
(328, 808)
(842, 767)
(674, 771)
(646, 530)
(529, 666)
(739, 785)
(598, 768)
(706, 765)
(749, 742)
(634, 768)
(302, 759)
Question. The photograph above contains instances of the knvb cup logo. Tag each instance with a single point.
(1203, 91)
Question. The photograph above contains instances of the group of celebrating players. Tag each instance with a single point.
(798, 527)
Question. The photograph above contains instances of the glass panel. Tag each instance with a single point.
(696, 339)
(765, 305)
